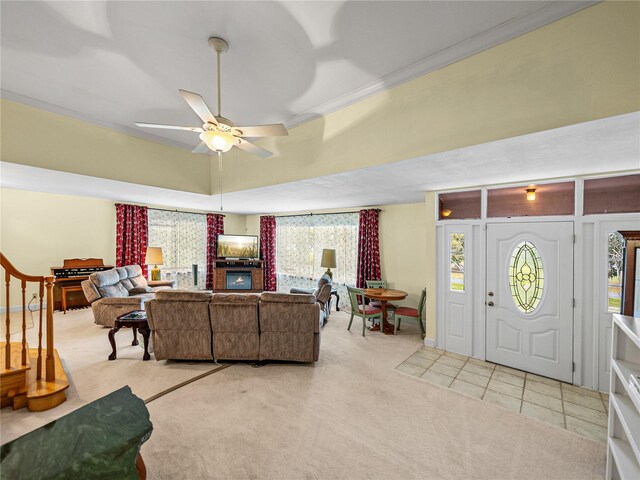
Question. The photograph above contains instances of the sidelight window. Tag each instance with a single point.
(615, 246)
(456, 262)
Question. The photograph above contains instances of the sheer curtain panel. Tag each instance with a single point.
(300, 241)
(183, 239)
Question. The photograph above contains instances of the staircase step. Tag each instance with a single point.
(19, 385)
(16, 359)
(43, 395)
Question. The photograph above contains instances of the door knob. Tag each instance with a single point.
(490, 294)
(490, 304)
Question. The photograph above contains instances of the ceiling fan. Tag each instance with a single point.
(219, 133)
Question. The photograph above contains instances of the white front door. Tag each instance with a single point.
(529, 298)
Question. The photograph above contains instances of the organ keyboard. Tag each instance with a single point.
(72, 272)
(78, 269)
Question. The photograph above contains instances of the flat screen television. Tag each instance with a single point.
(238, 246)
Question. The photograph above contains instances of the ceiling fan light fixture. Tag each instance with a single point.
(218, 141)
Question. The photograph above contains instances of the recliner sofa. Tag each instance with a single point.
(234, 326)
(115, 292)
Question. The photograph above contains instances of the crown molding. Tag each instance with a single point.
(466, 48)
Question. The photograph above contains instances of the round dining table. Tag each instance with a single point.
(384, 295)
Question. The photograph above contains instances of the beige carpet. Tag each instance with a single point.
(351, 415)
(84, 348)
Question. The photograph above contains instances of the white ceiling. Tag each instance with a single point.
(607, 145)
(114, 63)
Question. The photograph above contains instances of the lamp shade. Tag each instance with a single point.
(328, 258)
(154, 256)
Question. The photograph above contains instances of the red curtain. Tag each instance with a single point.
(215, 226)
(368, 247)
(132, 231)
(268, 251)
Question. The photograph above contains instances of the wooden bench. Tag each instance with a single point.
(65, 290)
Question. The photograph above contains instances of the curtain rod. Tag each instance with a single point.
(181, 211)
(328, 213)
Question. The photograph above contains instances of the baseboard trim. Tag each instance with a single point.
(429, 342)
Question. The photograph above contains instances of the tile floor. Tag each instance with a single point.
(577, 409)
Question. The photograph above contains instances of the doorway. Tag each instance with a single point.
(529, 297)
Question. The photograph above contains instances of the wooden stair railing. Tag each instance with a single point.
(36, 388)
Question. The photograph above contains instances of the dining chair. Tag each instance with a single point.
(408, 313)
(358, 308)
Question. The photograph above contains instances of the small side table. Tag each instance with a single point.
(136, 320)
(334, 292)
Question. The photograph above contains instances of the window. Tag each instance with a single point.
(612, 195)
(547, 199)
(526, 277)
(300, 240)
(183, 239)
(460, 205)
(615, 246)
(456, 263)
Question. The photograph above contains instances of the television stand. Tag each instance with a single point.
(238, 276)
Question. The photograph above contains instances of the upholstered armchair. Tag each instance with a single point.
(322, 293)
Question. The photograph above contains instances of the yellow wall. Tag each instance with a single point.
(405, 262)
(235, 224)
(583, 67)
(40, 230)
(30, 136)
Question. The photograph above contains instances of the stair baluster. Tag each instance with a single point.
(50, 367)
(24, 322)
(39, 366)
(7, 362)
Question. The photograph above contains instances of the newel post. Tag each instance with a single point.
(50, 364)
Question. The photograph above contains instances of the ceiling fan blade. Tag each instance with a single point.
(169, 127)
(197, 103)
(251, 148)
(273, 130)
(202, 148)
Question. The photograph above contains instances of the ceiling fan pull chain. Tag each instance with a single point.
(220, 177)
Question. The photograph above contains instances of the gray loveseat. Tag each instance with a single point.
(118, 291)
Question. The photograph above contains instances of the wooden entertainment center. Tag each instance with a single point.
(232, 276)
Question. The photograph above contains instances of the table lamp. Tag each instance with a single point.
(154, 257)
(328, 261)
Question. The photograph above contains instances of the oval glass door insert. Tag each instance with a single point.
(526, 277)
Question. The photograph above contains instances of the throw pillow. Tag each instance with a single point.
(115, 290)
(139, 281)
(139, 290)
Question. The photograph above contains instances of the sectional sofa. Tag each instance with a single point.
(204, 326)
